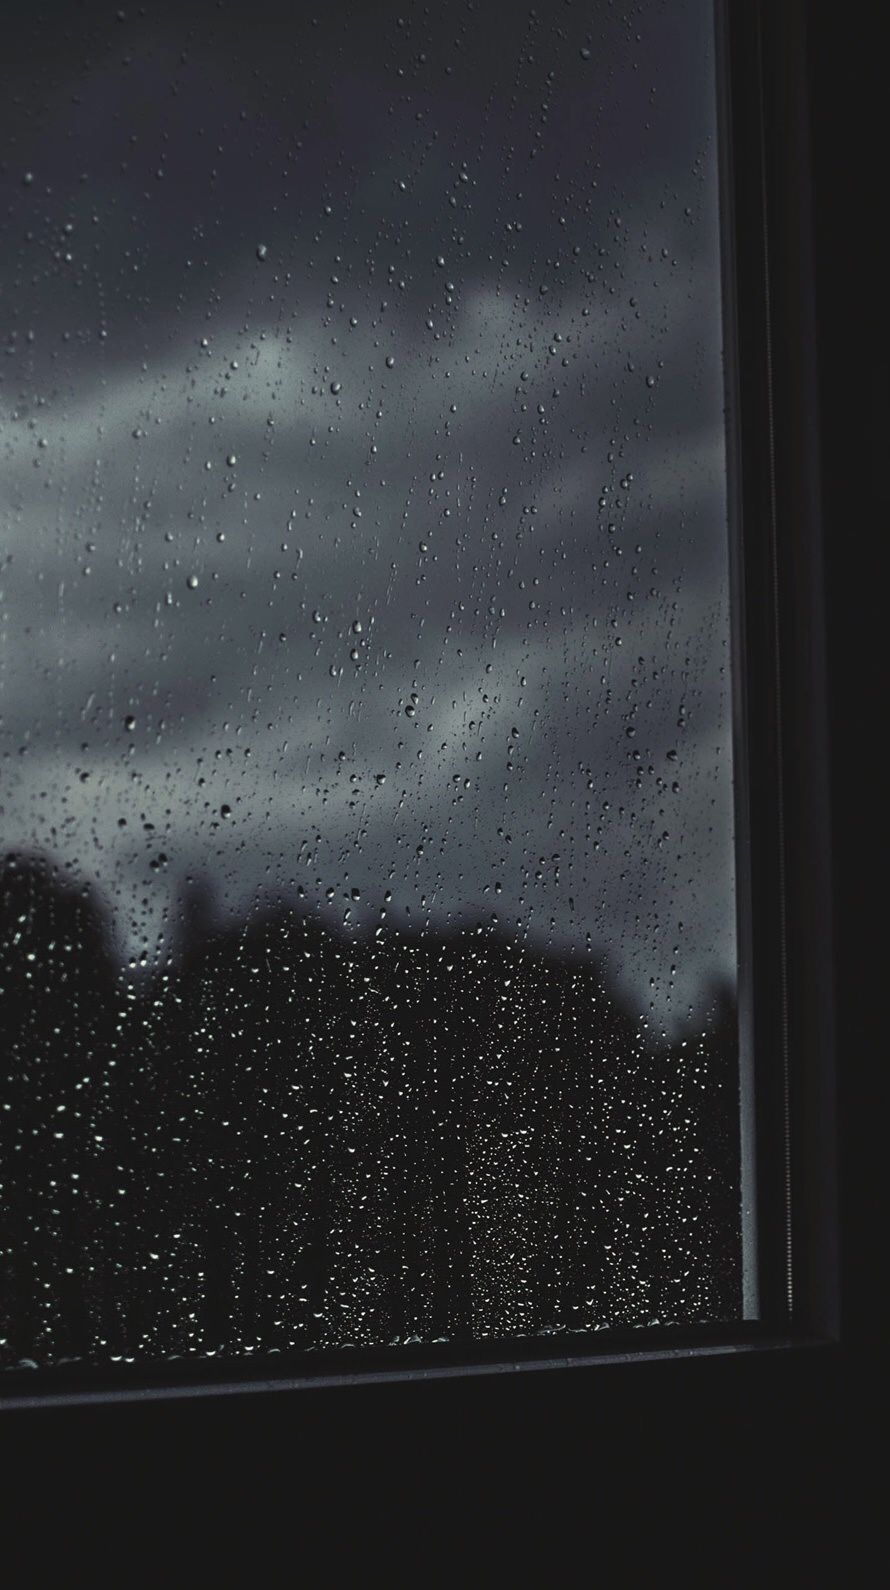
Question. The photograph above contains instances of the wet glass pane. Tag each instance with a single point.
(367, 911)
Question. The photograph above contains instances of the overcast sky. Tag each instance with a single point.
(362, 472)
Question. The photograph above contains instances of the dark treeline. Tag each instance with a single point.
(293, 1140)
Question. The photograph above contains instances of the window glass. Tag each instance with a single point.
(367, 907)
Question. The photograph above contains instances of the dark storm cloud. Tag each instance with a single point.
(455, 321)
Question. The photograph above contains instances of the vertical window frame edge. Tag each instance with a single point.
(786, 942)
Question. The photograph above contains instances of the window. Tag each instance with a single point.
(377, 620)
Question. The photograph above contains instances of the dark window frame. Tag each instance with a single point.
(787, 1010)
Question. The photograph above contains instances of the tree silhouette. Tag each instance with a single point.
(294, 1140)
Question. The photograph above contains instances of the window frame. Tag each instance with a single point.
(781, 761)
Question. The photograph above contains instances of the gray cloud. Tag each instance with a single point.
(524, 511)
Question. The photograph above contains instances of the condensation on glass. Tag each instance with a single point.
(367, 918)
